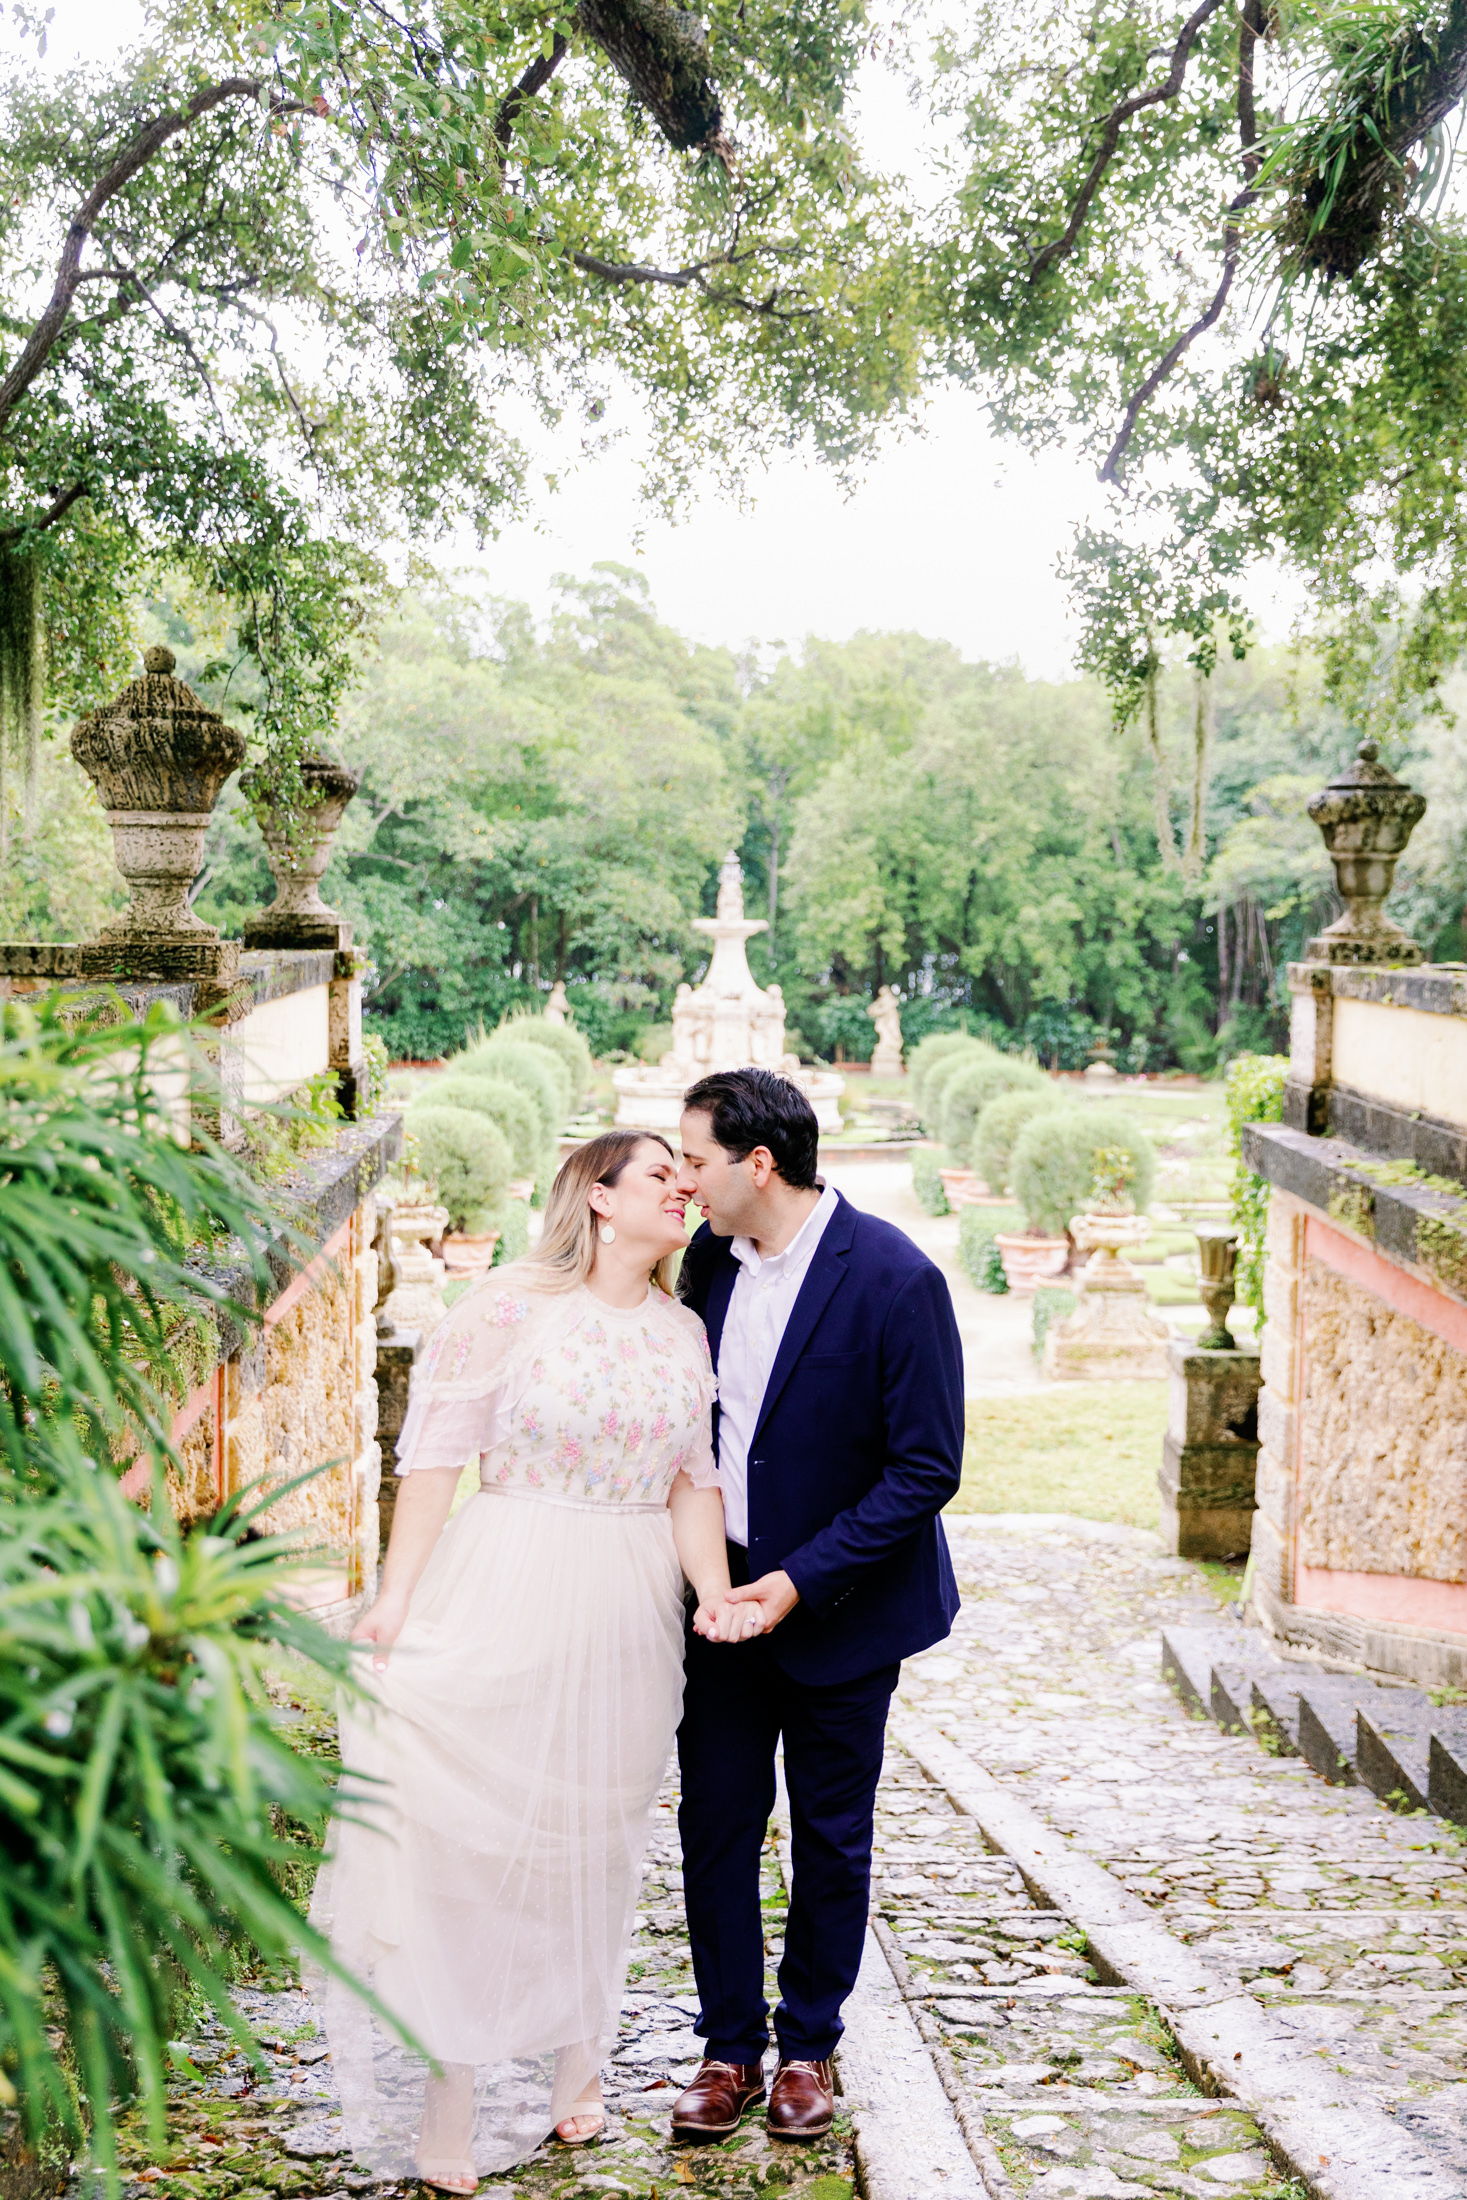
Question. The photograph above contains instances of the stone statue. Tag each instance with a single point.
(885, 1013)
(555, 1007)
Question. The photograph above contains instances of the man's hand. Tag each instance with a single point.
(775, 1595)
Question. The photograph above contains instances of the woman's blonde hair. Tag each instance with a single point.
(566, 1253)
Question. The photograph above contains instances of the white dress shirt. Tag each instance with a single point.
(763, 1299)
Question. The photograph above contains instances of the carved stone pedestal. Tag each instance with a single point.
(1209, 1455)
(1112, 1333)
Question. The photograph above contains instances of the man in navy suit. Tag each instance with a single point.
(839, 1432)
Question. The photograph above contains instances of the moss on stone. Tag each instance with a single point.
(1352, 1205)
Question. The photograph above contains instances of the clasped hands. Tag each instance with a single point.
(737, 1615)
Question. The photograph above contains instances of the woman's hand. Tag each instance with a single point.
(717, 1620)
(382, 1626)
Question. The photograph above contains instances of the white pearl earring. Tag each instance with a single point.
(608, 1235)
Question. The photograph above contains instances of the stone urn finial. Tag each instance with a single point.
(1366, 816)
(158, 757)
(1217, 1246)
(299, 846)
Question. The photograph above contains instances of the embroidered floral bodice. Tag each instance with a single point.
(561, 1394)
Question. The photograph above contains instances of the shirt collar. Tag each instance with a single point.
(800, 1246)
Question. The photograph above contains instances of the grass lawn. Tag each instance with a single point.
(1088, 1448)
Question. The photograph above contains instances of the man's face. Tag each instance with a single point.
(727, 1190)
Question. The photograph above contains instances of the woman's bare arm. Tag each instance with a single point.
(424, 1500)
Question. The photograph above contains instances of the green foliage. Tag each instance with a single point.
(139, 1771)
(999, 1123)
(565, 1042)
(1051, 1304)
(975, 1053)
(475, 1086)
(923, 1059)
(1102, 288)
(927, 1184)
(1056, 1156)
(249, 385)
(968, 1090)
(106, 1222)
(374, 1063)
(1254, 1093)
(466, 1158)
(979, 1257)
(653, 1041)
(514, 1232)
(535, 1070)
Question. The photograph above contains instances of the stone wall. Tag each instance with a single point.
(301, 1394)
(1382, 1480)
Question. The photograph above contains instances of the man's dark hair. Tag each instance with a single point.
(758, 1107)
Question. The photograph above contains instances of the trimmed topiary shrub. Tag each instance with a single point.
(978, 1256)
(468, 1161)
(996, 1131)
(1051, 1304)
(1057, 1155)
(504, 1102)
(935, 1083)
(970, 1087)
(924, 1060)
(514, 1232)
(535, 1069)
(927, 1185)
(561, 1040)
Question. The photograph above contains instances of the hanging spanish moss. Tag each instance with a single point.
(1161, 780)
(1201, 738)
(21, 686)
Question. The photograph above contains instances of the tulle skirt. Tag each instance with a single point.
(488, 1895)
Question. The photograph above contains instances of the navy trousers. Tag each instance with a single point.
(736, 1707)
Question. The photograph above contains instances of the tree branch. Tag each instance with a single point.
(538, 74)
(662, 54)
(1251, 157)
(148, 142)
(1060, 247)
(696, 278)
(57, 509)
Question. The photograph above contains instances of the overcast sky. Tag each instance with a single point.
(951, 533)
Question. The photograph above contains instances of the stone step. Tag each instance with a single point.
(1328, 1703)
(1276, 1699)
(1348, 1728)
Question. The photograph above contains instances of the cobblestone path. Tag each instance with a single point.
(276, 2137)
(1350, 1921)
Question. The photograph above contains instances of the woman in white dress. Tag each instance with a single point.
(523, 1720)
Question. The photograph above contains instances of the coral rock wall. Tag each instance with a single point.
(1382, 1484)
(302, 1395)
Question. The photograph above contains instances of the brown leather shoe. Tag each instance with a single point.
(716, 2100)
(802, 2100)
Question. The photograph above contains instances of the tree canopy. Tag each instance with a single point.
(275, 287)
(552, 802)
(1210, 248)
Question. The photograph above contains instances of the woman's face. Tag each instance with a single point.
(644, 1205)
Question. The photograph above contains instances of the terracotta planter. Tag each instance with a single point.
(158, 758)
(469, 1256)
(955, 1183)
(522, 1187)
(1030, 1261)
(1366, 816)
(299, 850)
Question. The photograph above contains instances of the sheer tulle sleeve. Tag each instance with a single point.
(697, 1460)
(462, 1387)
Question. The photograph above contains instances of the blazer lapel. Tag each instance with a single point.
(823, 1277)
(720, 1291)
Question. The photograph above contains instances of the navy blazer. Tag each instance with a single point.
(858, 1446)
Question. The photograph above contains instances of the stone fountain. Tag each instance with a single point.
(728, 1022)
